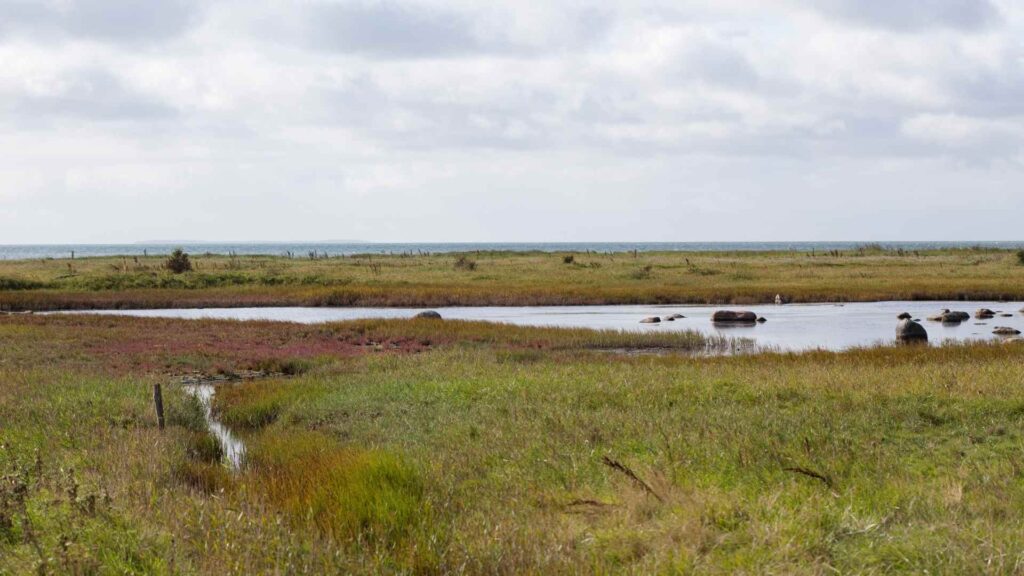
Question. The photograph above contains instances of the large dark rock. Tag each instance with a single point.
(905, 316)
(732, 316)
(984, 314)
(908, 331)
(429, 314)
(1006, 331)
(651, 320)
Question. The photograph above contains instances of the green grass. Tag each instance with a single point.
(502, 278)
(487, 456)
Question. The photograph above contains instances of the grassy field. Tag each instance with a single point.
(491, 278)
(448, 447)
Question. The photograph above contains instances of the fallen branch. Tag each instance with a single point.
(589, 502)
(609, 462)
(811, 474)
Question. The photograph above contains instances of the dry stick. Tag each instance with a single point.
(632, 476)
(811, 473)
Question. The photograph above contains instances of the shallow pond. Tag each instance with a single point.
(789, 327)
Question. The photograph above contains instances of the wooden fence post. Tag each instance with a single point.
(158, 399)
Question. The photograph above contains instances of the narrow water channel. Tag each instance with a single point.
(232, 447)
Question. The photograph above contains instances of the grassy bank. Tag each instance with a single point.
(494, 451)
(490, 278)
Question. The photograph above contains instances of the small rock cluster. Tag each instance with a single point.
(719, 317)
(951, 317)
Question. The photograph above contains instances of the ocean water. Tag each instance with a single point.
(23, 251)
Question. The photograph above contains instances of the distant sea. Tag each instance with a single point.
(299, 249)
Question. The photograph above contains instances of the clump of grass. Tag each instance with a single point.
(178, 262)
(346, 493)
(643, 273)
(256, 404)
(203, 447)
(1020, 257)
(463, 262)
(251, 404)
(286, 366)
(568, 259)
(206, 477)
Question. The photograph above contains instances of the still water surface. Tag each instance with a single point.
(789, 327)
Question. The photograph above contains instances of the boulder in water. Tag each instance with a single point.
(950, 317)
(651, 320)
(734, 317)
(984, 313)
(1006, 331)
(432, 314)
(908, 332)
(904, 316)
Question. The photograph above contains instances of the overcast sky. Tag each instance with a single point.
(460, 120)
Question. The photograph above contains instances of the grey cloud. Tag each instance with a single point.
(128, 21)
(724, 67)
(394, 29)
(718, 63)
(909, 15)
(93, 95)
(389, 30)
(411, 121)
(997, 93)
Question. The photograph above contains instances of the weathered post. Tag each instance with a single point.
(158, 400)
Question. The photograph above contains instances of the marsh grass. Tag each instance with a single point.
(871, 273)
(484, 457)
